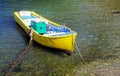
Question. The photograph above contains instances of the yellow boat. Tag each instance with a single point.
(46, 32)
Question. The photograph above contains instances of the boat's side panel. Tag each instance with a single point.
(65, 43)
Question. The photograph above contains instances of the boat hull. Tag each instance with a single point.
(65, 42)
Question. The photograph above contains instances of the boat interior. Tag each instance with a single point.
(44, 27)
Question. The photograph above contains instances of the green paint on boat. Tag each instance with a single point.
(39, 26)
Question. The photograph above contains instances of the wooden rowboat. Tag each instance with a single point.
(46, 32)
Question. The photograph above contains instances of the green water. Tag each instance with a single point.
(97, 27)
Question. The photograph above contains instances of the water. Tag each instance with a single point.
(93, 20)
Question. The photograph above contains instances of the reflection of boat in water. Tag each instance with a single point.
(46, 32)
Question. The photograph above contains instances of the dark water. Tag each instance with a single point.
(97, 26)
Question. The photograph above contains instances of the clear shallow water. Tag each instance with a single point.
(97, 28)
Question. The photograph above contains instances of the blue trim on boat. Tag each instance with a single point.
(28, 17)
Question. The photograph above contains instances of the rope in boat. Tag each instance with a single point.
(79, 52)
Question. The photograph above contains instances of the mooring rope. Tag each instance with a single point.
(18, 59)
(85, 67)
(79, 52)
(16, 62)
